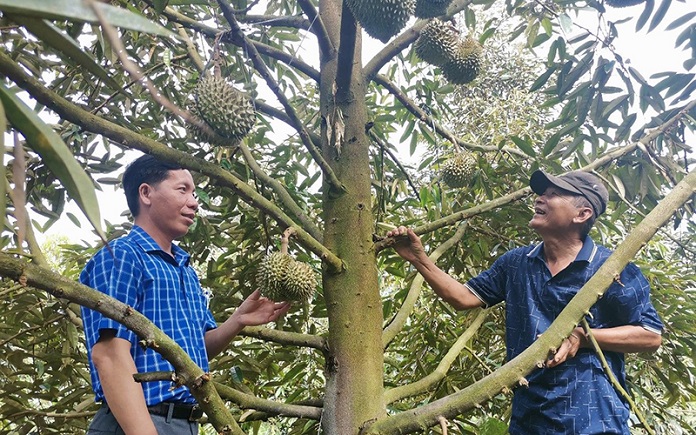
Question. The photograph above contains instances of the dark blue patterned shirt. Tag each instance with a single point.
(164, 289)
(576, 397)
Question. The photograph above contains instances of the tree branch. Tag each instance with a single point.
(272, 52)
(429, 381)
(396, 161)
(282, 193)
(346, 54)
(131, 139)
(514, 371)
(398, 322)
(242, 399)
(317, 27)
(286, 338)
(330, 177)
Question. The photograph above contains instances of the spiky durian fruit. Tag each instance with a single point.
(431, 8)
(272, 274)
(201, 135)
(622, 3)
(458, 169)
(224, 108)
(300, 282)
(382, 19)
(465, 65)
(437, 43)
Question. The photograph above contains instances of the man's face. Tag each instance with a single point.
(554, 210)
(173, 204)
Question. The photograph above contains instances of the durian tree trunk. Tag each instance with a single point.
(354, 370)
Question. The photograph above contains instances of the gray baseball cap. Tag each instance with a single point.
(577, 182)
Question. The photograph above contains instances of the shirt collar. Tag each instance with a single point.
(148, 244)
(587, 252)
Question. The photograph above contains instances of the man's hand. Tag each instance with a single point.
(258, 310)
(407, 244)
(255, 310)
(568, 349)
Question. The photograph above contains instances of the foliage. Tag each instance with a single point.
(551, 94)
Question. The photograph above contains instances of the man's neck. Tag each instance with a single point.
(162, 240)
(559, 252)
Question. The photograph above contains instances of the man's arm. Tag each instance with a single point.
(115, 367)
(622, 339)
(410, 248)
(255, 310)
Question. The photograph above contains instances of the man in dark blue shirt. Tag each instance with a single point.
(150, 273)
(572, 395)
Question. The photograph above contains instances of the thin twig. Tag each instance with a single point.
(612, 377)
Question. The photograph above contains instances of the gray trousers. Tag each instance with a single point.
(104, 423)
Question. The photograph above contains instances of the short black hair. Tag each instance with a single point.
(145, 169)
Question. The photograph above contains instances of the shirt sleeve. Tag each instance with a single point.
(631, 298)
(489, 286)
(116, 273)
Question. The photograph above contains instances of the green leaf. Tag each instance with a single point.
(566, 23)
(55, 154)
(79, 11)
(160, 5)
(645, 16)
(613, 104)
(660, 14)
(541, 81)
(524, 145)
(681, 20)
(54, 37)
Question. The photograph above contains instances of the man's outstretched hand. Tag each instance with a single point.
(258, 310)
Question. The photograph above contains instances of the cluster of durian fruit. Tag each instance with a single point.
(458, 169)
(383, 19)
(439, 44)
(282, 278)
(225, 109)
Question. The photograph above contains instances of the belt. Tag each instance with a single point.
(188, 412)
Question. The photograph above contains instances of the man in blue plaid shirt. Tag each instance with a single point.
(148, 272)
(572, 394)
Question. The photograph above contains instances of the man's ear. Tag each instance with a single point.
(144, 192)
(583, 215)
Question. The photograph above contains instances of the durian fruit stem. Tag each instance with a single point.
(285, 240)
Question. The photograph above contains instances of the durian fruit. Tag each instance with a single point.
(431, 8)
(202, 135)
(466, 64)
(272, 273)
(281, 278)
(224, 108)
(437, 43)
(300, 282)
(382, 19)
(458, 169)
(622, 3)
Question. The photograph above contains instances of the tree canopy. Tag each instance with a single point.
(352, 130)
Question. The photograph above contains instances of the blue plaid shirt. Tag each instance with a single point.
(164, 289)
(576, 397)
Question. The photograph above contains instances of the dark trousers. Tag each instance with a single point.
(104, 423)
